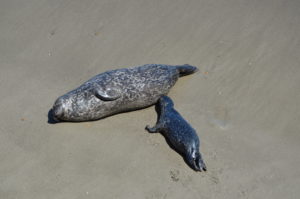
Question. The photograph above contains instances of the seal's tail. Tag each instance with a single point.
(186, 69)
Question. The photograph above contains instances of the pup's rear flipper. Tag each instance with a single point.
(186, 69)
(195, 163)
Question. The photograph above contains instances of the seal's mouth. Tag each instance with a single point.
(58, 110)
(55, 118)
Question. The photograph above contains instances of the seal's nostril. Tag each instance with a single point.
(51, 118)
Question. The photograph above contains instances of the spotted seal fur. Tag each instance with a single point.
(181, 136)
(118, 91)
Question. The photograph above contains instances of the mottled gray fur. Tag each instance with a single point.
(118, 91)
(182, 137)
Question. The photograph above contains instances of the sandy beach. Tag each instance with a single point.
(244, 101)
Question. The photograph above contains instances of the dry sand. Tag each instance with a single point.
(244, 101)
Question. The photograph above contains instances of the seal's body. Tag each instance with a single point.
(118, 91)
(182, 137)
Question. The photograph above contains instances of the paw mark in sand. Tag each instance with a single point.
(174, 175)
(97, 33)
(214, 179)
(156, 196)
(88, 125)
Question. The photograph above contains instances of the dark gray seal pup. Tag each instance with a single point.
(118, 91)
(177, 131)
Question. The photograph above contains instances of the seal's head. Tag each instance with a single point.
(85, 103)
(75, 106)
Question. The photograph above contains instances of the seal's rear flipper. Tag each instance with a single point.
(186, 69)
(195, 163)
(200, 163)
(108, 94)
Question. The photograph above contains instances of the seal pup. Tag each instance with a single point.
(178, 132)
(118, 91)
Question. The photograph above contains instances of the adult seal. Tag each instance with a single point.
(118, 91)
(177, 131)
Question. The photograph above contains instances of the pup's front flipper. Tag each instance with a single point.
(154, 129)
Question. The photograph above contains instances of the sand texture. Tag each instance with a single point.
(244, 101)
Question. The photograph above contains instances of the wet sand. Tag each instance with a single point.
(244, 102)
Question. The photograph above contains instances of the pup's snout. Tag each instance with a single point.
(163, 99)
(166, 101)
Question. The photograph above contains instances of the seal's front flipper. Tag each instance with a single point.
(107, 94)
(154, 129)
